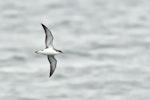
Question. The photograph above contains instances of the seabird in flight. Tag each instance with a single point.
(50, 51)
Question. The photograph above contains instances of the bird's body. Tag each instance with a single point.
(50, 51)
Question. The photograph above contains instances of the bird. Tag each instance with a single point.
(49, 50)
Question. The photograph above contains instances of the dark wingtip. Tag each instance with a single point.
(50, 75)
(43, 25)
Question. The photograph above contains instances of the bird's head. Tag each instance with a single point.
(59, 51)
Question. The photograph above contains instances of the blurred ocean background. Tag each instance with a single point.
(106, 45)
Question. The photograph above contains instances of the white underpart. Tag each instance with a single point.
(48, 51)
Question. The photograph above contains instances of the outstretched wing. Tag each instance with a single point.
(49, 37)
(53, 63)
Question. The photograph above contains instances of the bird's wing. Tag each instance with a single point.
(49, 37)
(53, 63)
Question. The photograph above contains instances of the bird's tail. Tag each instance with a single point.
(36, 51)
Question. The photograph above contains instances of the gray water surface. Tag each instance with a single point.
(106, 45)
